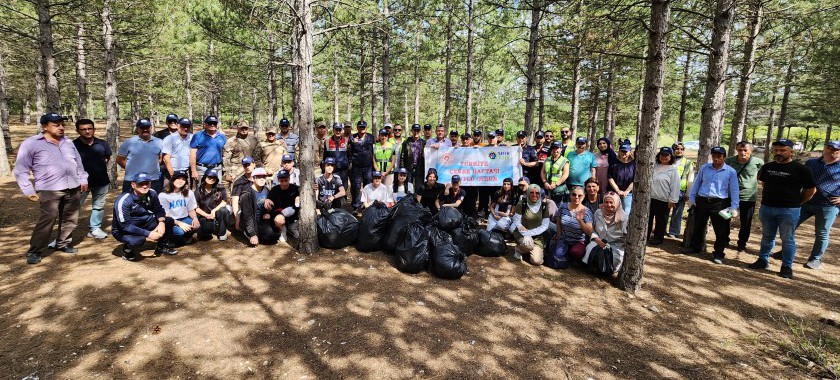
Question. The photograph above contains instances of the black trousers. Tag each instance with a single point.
(217, 226)
(747, 211)
(470, 199)
(484, 194)
(658, 211)
(708, 208)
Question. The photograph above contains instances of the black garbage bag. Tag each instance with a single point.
(449, 262)
(466, 236)
(438, 237)
(491, 244)
(412, 252)
(448, 219)
(373, 227)
(337, 228)
(408, 211)
(600, 261)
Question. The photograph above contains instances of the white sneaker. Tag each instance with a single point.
(51, 245)
(516, 254)
(222, 237)
(97, 234)
(283, 235)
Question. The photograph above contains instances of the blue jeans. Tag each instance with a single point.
(361, 177)
(823, 219)
(179, 236)
(783, 220)
(676, 216)
(97, 212)
(627, 203)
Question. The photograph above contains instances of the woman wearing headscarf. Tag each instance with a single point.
(664, 194)
(529, 223)
(574, 223)
(501, 207)
(605, 158)
(610, 228)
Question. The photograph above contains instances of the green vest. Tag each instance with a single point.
(554, 169)
(683, 169)
(382, 155)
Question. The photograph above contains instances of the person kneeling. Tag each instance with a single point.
(376, 191)
(328, 187)
(610, 230)
(283, 204)
(213, 211)
(529, 223)
(254, 220)
(178, 201)
(139, 217)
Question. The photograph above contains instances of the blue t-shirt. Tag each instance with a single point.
(209, 149)
(259, 197)
(178, 150)
(580, 167)
(142, 157)
(572, 232)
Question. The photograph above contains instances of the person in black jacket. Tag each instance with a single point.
(254, 219)
(139, 217)
(411, 156)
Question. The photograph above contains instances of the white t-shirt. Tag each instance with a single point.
(176, 205)
(381, 193)
(402, 191)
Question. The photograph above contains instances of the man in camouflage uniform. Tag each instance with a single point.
(269, 153)
(237, 148)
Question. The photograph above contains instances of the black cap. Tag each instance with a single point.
(338, 126)
(556, 144)
(361, 124)
(456, 179)
(143, 123)
(453, 133)
(625, 148)
(521, 134)
(500, 132)
(465, 136)
(581, 140)
(666, 150)
(783, 142)
(180, 173)
(383, 132)
(211, 120)
(416, 127)
(719, 150)
(185, 121)
(427, 127)
(539, 135)
(283, 174)
(477, 132)
(284, 122)
(171, 118)
(51, 116)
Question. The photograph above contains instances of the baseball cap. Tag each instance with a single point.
(247, 160)
(388, 126)
(283, 174)
(288, 157)
(212, 173)
(271, 130)
(539, 135)
(402, 171)
(329, 161)
(427, 126)
(284, 122)
(477, 132)
(376, 174)
(243, 124)
(52, 116)
(185, 121)
(525, 179)
(556, 144)
(491, 134)
(338, 126)
(259, 172)
(361, 124)
(666, 150)
(383, 131)
(456, 178)
(172, 118)
(453, 133)
(465, 136)
(521, 134)
(581, 140)
(500, 132)
(833, 144)
(625, 148)
(143, 123)
(142, 177)
(180, 173)
(211, 120)
(416, 127)
(784, 142)
(719, 150)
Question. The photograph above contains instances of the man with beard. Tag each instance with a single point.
(237, 148)
(411, 156)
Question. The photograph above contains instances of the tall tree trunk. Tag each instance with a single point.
(373, 101)
(595, 101)
(608, 103)
(742, 99)
(81, 71)
(632, 270)
(272, 80)
(771, 120)
(417, 77)
(447, 105)
(469, 80)
(541, 103)
(304, 118)
(386, 65)
(40, 78)
(684, 97)
(405, 106)
(335, 65)
(362, 82)
(349, 105)
(531, 65)
(714, 102)
(26, 113)
(215, 97)
(783, 111)
(639, 109)
(135, 101)
(6, 140)
(188, 86)
(576, 90)
(45, 43)
(254, 109)
(240, 112)
(827, 132)
(153, 114)
(112, 105)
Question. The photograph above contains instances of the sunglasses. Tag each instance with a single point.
(577, 195)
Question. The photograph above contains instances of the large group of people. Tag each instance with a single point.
(181, 186)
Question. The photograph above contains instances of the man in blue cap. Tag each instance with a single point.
(59, 177)
(361, 157)
(289, 167)
(715, 190)
(171, 127)
(206, 149)
(787, 185)
(176, 150)
(289, 138)
(335, 147)
(500, 137)
(453, 195)
(411, 156)
(139, 217)
(284, 205)
(427, 132)
(240, 185)
(825, 204)
(329, 186)
(476, 136)
(141, 154)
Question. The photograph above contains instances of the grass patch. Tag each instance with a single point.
(812, 347)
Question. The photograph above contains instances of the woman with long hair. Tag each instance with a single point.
(501, 207)
(179, 203)
(621, 176)
(213, 210)
(402, 186)
(429, 191)
(664, 194)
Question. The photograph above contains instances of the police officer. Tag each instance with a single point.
(335, 147)
(411, 156)
(361, 158)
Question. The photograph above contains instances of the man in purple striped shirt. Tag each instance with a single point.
(59, 177)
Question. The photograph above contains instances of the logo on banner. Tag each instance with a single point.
(492, 155)
(447, 158)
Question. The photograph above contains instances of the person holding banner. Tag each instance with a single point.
(429, 191)
(485, 192)
(453, 138)
(477, 138)
(471, 191)
(554, 174)
(452, 195)
(411, 156)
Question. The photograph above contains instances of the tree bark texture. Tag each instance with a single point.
(6, 140)
(632, 270)
(783, 111)
(417, 78)
(595, 103)
(541, 101)
(386, 65)
(684, 97)
(468, 115)
(742, 100)
(112, 106)
(531, 66)
(40, 92)
(447, 103)
(45, 43)
(81, 71)
(576, 91)
(304, 118)
(362, 83)
(714, 102)
(254, 109)
(188, 86)
(771, 120)
(335, 64)
(609, 113)
(373, 101)
(272, 81)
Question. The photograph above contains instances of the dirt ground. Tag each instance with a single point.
(223, 310)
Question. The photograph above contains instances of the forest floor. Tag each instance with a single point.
(224, 310)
